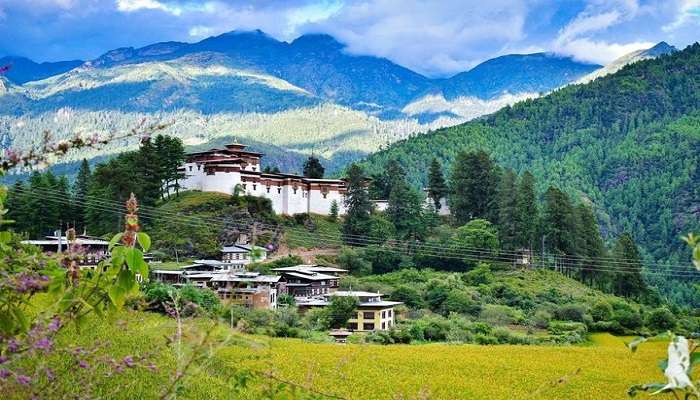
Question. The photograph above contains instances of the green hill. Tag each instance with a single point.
(629, 142)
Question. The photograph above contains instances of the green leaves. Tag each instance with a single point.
(115, 240)
(144, 240)
(135, 262)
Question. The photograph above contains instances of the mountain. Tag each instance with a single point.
(657, 50)
(516, 73)
(628, 142)
(24, 70)
(310, 95)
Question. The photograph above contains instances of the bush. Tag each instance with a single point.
(628, 318)
(661, 319)
(601, 311)
(572, 312)
(568, 332)
(497, 314)
(541, 319)
(408, 295)
(352, 260)
(461, 302)
(481, 275)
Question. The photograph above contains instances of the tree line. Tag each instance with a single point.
(496, 214)
(46, 203)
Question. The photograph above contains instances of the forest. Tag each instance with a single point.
(628, 145)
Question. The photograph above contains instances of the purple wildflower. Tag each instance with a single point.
(3, 359)
(12, 345)
(82, 364)
(4, 373)
(54, 325)
(43, 344)
(23, 380)
(129, 361)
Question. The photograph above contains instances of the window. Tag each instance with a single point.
(369, 327)
(383, 314)
(244, 186)
(295, 190)
(383, 325)
(268, 189)
(368, 315)
(325, 195)
(190, 168)
(279, 190)
(389, 312)
(199, 167)
(352, 326)
(255, 187)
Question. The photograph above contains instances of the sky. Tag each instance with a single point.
(433, 37)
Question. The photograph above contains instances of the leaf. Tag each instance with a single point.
(118, 256)
(144, 240)
(115, 240)
(134, 259)
(116, 294)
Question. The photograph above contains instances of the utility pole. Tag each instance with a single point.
(543, 244)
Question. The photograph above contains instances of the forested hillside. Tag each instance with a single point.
(629, 143)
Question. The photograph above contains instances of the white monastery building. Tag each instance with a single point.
(221, 170)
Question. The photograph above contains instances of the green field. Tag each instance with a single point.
(602, 369)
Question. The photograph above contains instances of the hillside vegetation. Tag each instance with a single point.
(629, 143)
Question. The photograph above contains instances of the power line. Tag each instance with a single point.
(202, 222)
(426, 248)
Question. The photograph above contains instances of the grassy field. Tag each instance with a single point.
(600, 370)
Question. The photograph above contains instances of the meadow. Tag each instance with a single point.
(601, 369)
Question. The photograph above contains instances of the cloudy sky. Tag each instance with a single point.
(434, 37)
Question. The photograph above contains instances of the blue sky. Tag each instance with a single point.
(436, 37)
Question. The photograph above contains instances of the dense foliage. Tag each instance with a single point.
(627, 143)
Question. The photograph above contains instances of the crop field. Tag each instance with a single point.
(602, 369)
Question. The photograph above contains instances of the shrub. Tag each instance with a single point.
(352, 260)
(498, 314)
(572, 312)
(541, 319)
(628, 318)
(461, 302)
(408, 295)
(481, 275)
(661, 319)
(601, 311)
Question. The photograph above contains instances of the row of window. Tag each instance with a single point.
(371, 314)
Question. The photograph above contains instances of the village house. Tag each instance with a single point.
(94, 249)
(242, 254)
(249, 289)
(372, 313)
(222, 170)
(310, 280)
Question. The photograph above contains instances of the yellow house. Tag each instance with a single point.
(372, 314)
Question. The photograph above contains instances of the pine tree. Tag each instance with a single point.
(382, 183)
(473, 187)
(559, 226)
(527, 216)
(437, 188)
(591, 246)
(357, 204)
(149, 164)
(171, 155)
(507, 209)
(16, 206)
(405, 210)
(313, 168)
(333, 212)
(80, 191)
(627, 277)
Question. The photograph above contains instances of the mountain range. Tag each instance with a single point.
(308, 95)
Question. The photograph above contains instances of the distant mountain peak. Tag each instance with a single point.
(659, 49)
(318, 40)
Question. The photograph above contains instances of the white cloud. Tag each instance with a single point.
(688, 12)
(136, 5)
(600, 51)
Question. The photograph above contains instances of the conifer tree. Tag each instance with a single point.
(80, 191)
(313, 168)
(591, 246)
(507, 209)
(527, 214)
(333, 212)
(149, 164)
(437, 188)
(170, 155)
(357, 204)
(559, 223)
(405, 210)
(627, 275)
(473, 187)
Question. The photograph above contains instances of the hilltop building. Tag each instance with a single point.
(222, 170)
